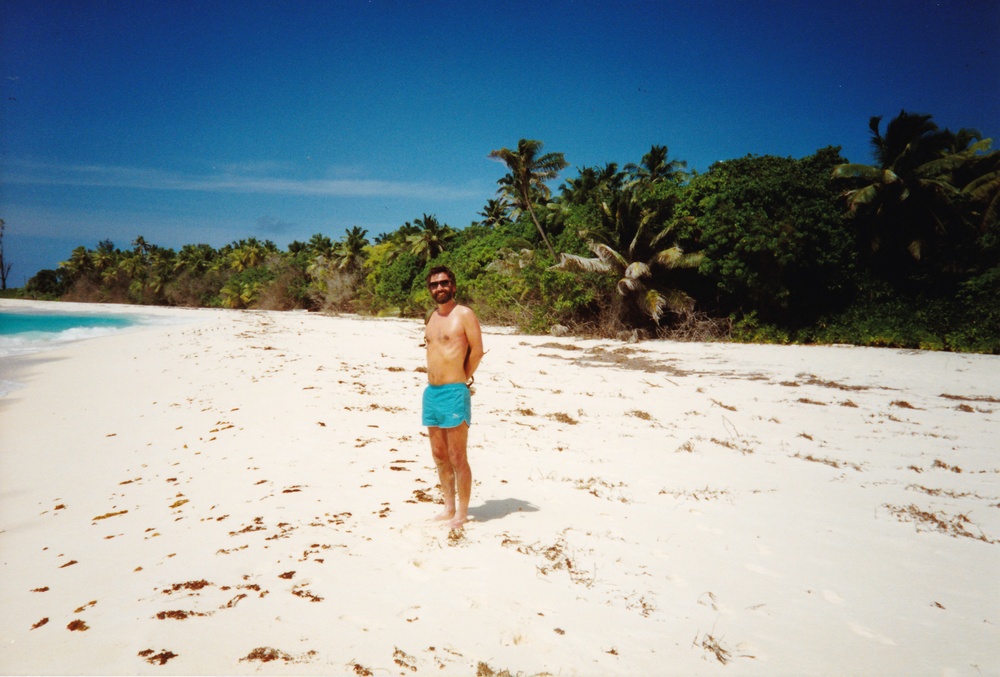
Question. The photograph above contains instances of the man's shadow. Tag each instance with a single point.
(494, 509)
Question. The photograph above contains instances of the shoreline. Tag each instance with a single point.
(254, 487)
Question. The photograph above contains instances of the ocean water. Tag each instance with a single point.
(23, 333)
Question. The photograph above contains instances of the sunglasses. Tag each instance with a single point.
(439, 283)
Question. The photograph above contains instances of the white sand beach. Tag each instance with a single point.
(250, 493)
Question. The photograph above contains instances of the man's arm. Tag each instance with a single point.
(474, 335)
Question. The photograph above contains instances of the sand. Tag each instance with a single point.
(251, 493)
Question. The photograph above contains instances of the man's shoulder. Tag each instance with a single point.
(465, 311)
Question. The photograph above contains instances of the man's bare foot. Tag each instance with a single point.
(458, 523)
(446, 515)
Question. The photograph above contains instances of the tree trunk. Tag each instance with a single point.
(541, 232)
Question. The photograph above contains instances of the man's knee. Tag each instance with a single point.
(439, 443)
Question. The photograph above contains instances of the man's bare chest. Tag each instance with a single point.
(444, 331)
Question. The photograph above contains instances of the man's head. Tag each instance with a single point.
(441, 284)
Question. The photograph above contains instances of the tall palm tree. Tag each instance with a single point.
(655, 168)
(321, 245)
(79, 263)
(247, 254)
(142, 247)
(906, 203)
(431, 239)
(104, 257)
(161, 266)
(194, 258)
(592, 181)
(398, 241)
(133, 266)
(349, 252)
(634, 246)
(527, 177)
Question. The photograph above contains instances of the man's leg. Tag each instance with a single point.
(457, 442)
(446, 473)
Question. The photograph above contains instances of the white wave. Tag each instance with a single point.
(7, 387)
(38, 341)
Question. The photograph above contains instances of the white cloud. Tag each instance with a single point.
(244, 179)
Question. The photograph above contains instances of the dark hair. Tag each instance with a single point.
(437, 270)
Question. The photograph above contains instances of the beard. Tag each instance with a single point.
(443, 296)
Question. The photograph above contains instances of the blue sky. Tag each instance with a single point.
(191, 121)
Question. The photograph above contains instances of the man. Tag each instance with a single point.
(454, 349)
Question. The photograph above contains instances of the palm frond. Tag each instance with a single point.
(629, 285)
(608, 255)
(983, 186)
(674, 257)
(992, 213)
(637, 270)
(678, 301)
(862, 196)
(511, 261)
(646, 217)
(939, 186)
(857, 171)
(581, 264)
(666, 231)
(942, 165)
(653, 303)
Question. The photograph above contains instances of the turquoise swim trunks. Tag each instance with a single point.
(447, 406)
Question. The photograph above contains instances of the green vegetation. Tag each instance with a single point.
(903, 253)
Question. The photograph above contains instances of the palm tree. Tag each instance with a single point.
(981, 184)
(321, 245)
(495, 213)
(655, 168)
(78, 264)
(195, 258)
(527, 177)
(133, 266)
(142, 247)
(247, 254)
(431, 239)
(349, 252)
(907, 204)
(398, 241)
(104, 257)
(637, 254)
(238, 293)
(592, 182)
(162, 263)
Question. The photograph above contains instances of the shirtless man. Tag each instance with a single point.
(454, 349)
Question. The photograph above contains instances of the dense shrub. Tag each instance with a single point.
(775, 241)
(46, 284)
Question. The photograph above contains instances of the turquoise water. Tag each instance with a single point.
(29, 332)
(25, 323)
(26, 332)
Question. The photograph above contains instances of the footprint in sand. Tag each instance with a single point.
(762, 571)
(832, 597)
(414, 570)
(865, 632)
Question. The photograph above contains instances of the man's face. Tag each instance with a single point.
(441, 288)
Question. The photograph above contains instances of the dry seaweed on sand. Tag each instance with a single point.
(938, 521)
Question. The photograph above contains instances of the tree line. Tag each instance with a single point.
(902, 252)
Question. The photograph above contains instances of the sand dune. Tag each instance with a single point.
(250, 492)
